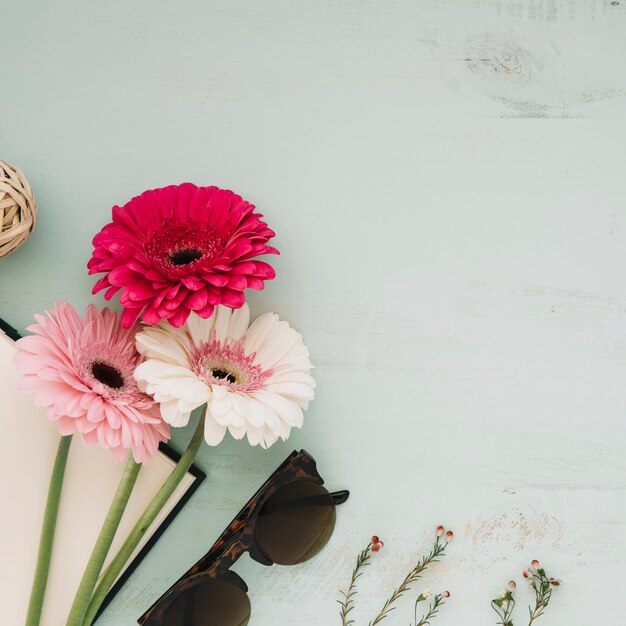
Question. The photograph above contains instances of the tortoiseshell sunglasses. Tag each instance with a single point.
(288, 521)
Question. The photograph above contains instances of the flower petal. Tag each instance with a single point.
(213, 432)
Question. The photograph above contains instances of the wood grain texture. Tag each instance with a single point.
(456, 268)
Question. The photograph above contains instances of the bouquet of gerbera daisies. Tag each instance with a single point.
(181, 258)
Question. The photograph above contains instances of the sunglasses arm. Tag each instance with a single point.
(339, 497)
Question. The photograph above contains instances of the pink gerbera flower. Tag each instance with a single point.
(83, 372)
(180, 249)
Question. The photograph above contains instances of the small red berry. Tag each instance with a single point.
(449, 535)
(535, 563)
(440, 530)
(377, 544)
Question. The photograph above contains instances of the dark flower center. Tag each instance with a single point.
(185, 256)
(223, 375)
(107, 375)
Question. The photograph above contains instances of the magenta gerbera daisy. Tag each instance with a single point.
(180, 249)
(82, 371)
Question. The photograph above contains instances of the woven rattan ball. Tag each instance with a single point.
(18, 211)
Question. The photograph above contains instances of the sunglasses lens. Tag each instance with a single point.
(295, 522)
(210, 603)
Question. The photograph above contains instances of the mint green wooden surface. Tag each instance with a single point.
(456, 266)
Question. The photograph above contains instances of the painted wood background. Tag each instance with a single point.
(447, 182)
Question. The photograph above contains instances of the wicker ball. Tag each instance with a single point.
(18, 211)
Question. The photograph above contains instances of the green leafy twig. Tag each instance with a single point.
(432, 557)
(347, 601)
(433, 609)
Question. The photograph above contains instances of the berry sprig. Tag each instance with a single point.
(442, 539)
(542, 586)
(434, 607)
(347, 600)
(505, 604)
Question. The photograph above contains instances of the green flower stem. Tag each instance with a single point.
(103, 543)
(42, 569)
(149, 515)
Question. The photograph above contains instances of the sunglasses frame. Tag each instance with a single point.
(239, 537)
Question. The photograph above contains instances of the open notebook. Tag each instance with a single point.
(29, 443)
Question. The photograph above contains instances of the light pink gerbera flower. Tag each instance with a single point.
(180, 249)
(83, 372)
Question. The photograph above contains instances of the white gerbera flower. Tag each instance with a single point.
(254, 379)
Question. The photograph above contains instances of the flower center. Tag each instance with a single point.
(223, 374)
(179, 248)
(107, 375)
(228, 365)
(185, 256)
